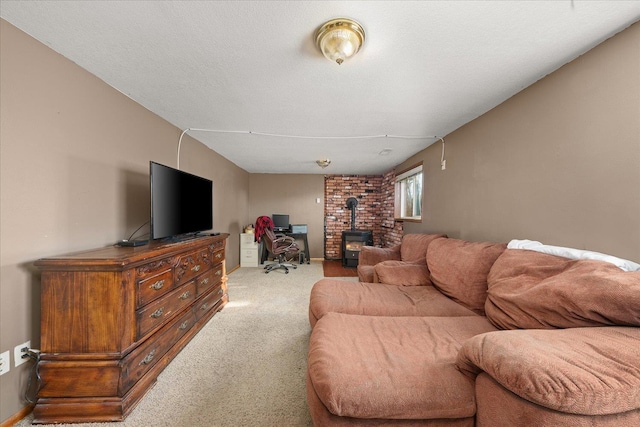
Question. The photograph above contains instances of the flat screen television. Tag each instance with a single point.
(181, 203)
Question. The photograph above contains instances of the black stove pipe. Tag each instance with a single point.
(352, 202)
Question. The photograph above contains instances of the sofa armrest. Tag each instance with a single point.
(586, 371)
(371, 255)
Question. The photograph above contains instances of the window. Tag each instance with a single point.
(408, 201)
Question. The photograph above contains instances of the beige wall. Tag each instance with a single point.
(559, 162)
(74, 175)
(294, 195)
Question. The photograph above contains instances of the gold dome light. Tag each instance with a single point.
(323, 163)
(340, 39)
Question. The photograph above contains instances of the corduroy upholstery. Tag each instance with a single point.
(412, 250)
(409, 358)
(459, 269)
(377, 299)
(532, 290)
(557, 346)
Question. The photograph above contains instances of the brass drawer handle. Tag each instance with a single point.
(148, 358)
(195, 268)
(158, 285)
(157, 313)
(183, 326)
(218, 256)
(185, 295)
(219, 273)
(204, 306)
(205, 281)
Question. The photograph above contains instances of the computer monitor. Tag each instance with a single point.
(280, 222)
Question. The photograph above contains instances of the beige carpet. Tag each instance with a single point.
(246, 367)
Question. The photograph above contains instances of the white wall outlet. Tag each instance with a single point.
(18, 353)
(5, 363)
(443, 164)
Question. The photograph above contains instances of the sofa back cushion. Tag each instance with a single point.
(414, 247)
(402, 273)
(459, 269)
(532, 290)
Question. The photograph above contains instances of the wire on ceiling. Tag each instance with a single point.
(248, 132)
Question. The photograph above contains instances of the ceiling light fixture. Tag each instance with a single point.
(339, 39)
(323, 163)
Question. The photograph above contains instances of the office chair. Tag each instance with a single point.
(282, 248)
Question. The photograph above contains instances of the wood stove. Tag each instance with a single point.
(353, 240)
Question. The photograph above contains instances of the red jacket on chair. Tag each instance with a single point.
(262, 223)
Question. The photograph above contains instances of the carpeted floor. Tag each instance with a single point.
(335, 269)
(246, 367)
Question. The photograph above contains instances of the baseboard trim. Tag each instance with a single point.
(12, 420)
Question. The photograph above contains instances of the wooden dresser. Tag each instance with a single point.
(113, 318)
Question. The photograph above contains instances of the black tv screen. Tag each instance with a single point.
(181, 203)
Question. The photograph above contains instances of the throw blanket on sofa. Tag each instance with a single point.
(571, 253)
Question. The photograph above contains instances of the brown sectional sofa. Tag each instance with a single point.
(497, 337)
(381, 265)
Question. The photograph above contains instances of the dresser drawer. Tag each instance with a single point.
(155, 313)
(208, 302)
(209, 279)
(192, 264)
(218, 255)
(154, 287)
(217, 245)
(154, 268)
(213, 256)
(139, 361)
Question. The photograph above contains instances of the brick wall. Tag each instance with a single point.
(373, 193)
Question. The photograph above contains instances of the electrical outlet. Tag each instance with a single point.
(443, 164)
(5, 363)
(18, 353)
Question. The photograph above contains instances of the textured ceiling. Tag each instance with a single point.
(427, 68)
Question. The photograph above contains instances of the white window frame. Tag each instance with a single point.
(408, 183)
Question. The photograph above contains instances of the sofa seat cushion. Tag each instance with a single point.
(588, 371)
(377, 299)
(392, 367)
(402, 273)
(532, 290)
(459, 269)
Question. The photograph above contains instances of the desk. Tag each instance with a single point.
(301, 236)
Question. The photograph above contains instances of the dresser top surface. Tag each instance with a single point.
(119, 256)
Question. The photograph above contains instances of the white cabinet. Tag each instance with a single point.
(248, 250)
